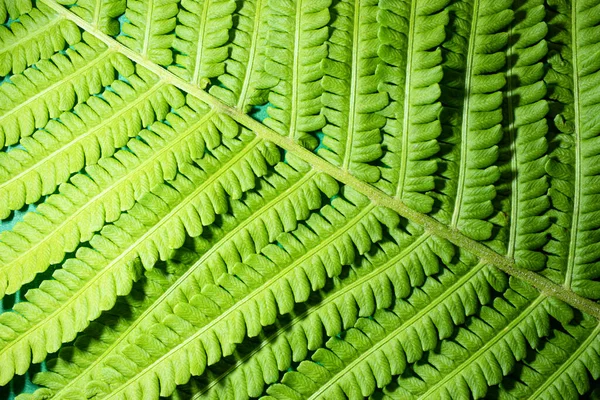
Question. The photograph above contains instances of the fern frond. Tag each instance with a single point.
(481, 125)
(70, 361)
(238, 82)
(416, 216)
(420, 120)
(560, 165)
(378, 348)
(454, 50)
(255, 89)
(106, 189)
(201, 38)
(38, 35)
(295, 46)
(583, 274)
(101, 14)
(394, 20)
(44, 91)
(573, 75)
(490, 357)
(94, 130)
(442, 374)
(13, 9)
(352, 100)
(370, 286)
(148, 28)
(558, 368)
(487, 350)
(527, 109)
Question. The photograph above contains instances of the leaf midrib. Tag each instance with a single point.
(96, 18)
(407, 105)
(464, 149)
(353, 85)
(200, 45)
(576, 130)
(514, 209)
(251, 56)
(149, 19)
(295, 67)
(485, 253)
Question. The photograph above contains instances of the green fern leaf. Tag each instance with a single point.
(299, 199)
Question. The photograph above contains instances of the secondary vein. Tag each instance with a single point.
(465, 121)
(577, 184)
(353, 85)
(406, 111)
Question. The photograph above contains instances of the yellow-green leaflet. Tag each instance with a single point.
(300, 199)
